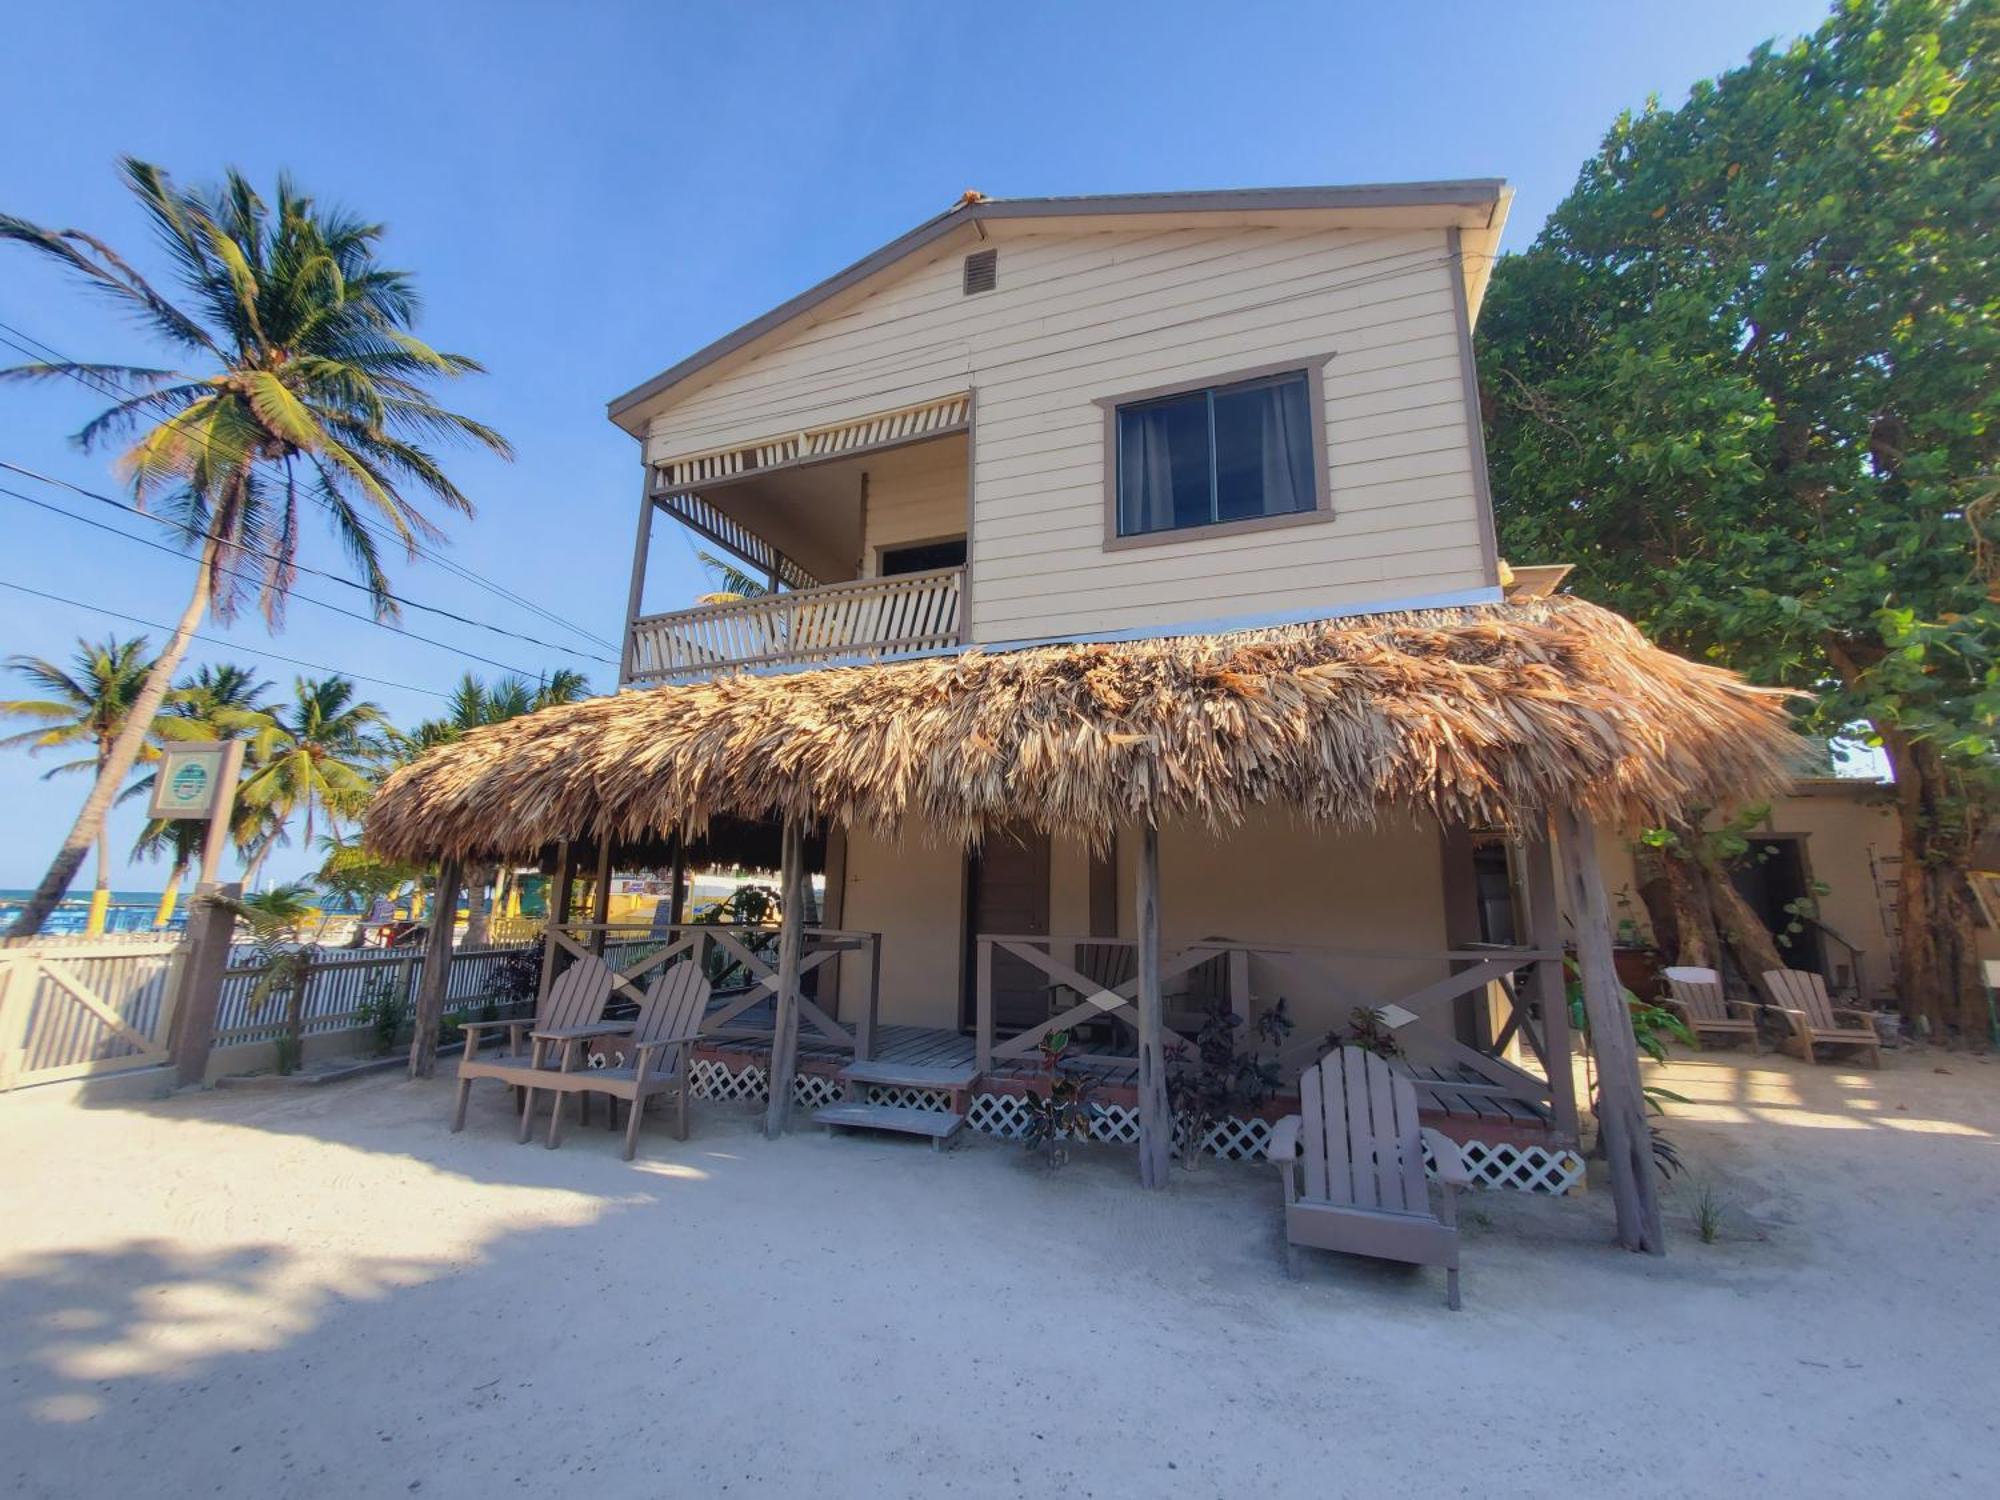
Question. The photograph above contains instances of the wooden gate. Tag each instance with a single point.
(78, 1009)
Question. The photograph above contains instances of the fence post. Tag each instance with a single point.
(15, 998)
(211, 929)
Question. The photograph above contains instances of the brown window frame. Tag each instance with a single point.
(1312, 366)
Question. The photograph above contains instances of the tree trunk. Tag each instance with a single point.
(256, 862)
(100, 895)
(478, 911)
(124, 755)
(1937, 947)
(1698, 916)
(170, 897)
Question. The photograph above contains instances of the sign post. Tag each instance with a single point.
(197, 779)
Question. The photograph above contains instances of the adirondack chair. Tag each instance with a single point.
(653, 1059)
(1800, 996)
(576, 999)
(1353, 1164)
(1696, 995)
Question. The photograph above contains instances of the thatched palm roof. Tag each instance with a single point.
(1478, 715)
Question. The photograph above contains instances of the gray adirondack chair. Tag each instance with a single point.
(1800, 996)
(1696, 996)
(576, 999)
(653, 1059)
(1353, 1163)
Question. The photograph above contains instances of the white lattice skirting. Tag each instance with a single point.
(1532, 1169)
(1528, 1169)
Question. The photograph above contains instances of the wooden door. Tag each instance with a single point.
(1009, 897)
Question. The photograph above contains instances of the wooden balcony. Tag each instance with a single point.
(869, 619)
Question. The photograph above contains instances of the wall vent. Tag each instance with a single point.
(982, 271)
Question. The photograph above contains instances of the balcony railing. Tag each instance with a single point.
(870, 619)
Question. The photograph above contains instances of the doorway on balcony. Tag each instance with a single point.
(922, 557)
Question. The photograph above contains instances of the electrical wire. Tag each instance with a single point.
(294, 595)
(210, 640)
(271, 556)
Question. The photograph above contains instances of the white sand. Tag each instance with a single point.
(322, 1293)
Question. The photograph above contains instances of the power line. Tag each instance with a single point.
(210, 640)
(420, 549)
(458, 651)
(274, 557)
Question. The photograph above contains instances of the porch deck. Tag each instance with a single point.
(1453, 1097)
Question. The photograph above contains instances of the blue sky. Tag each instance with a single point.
(589, 191)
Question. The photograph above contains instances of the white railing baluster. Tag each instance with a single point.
(869, 619)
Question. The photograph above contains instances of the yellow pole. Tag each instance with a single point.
(169, 899)
(100, 905)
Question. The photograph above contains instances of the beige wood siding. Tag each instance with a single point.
(1079, 316)
(1363, 911)
(915, 494)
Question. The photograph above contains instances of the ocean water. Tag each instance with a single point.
(131, 911)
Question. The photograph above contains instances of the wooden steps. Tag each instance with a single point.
(938, 1124)
(950, 1076)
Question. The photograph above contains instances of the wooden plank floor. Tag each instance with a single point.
(935, 1046)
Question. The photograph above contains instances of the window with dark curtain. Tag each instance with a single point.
(1229, 453)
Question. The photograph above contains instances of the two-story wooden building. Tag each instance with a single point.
(1135, 640)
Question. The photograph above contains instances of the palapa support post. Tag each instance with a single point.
(600, 894)
(1621, 1107)
(1156, 1121)
(437, 973)
(1545, 983)
(198, 987)
(556, 913)
(677, 902)
(791, 951)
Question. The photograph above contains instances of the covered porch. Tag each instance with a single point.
(850, 540)
(1540, 718)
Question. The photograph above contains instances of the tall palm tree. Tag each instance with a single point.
(314, 756)
(222, 702)
(298, 384)
(473, 704)
(92, 704)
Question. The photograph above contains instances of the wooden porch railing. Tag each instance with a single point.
(737, 958)
(1251, 975)
(869, 619)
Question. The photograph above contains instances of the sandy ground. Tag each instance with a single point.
(323, 1293)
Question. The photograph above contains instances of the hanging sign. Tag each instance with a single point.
(186, 781)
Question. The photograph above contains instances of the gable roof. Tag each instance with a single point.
(1481, 202)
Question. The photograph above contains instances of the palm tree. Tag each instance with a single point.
(473, 704)
(299, 384)
(222, 702)
(314, 756)
(90, 704)
(732, 579)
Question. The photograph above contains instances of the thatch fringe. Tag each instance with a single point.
(1478, 715)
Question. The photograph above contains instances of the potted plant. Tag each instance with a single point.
(1062, 1111)
(1216, 1082)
